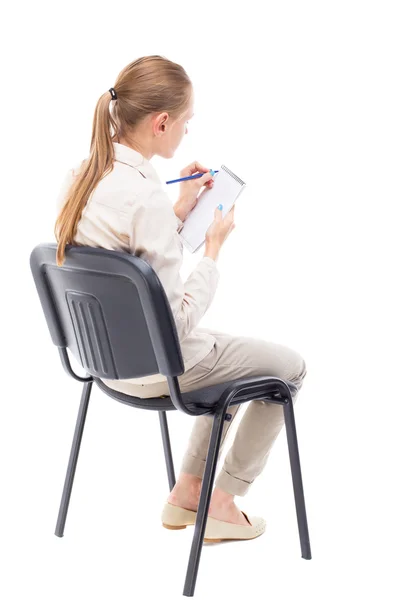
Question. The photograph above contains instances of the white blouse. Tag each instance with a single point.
(129, 211)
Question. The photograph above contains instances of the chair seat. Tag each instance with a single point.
(202, 398)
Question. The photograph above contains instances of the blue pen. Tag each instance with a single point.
(191, 177)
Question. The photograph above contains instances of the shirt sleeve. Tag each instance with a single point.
(65, 185)
(153, 236)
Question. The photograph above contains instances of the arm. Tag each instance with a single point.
(154, 238)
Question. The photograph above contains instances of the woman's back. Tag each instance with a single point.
(129, 211)
(118, 199)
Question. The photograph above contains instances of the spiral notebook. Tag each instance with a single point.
(226, 190)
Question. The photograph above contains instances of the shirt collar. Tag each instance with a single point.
(133, 158)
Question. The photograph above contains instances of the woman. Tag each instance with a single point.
(114, 199)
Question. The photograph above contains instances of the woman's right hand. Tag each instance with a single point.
(220, 228)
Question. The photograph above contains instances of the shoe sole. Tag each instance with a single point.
(232, 539)
(175, 526)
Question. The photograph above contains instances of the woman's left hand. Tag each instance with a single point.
(189, 190)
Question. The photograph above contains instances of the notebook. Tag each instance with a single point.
(226, 189)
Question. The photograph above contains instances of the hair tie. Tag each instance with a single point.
(113, 93)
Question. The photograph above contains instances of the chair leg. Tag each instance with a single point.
(297, 479)
(204, 503)
(73, 459)
(167, 448)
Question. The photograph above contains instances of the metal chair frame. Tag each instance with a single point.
(269, 389)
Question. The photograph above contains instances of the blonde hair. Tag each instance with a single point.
(147, 85)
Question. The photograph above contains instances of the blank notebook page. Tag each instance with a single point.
(227, 187)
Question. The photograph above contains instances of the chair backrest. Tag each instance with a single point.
(110, 309)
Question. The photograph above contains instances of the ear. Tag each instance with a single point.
(159, 123)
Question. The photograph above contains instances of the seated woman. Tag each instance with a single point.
(114, 199)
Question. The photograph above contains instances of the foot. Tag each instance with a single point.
(186, 494)
(229, 513)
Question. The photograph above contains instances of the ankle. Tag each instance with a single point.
(187, 484)
(221, 499)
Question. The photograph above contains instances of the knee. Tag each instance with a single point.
(299, 371)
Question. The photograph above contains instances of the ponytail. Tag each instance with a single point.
(99, 163)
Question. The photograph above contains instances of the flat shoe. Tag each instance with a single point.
(175, 517)
(217, 530)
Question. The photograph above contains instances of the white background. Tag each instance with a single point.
(301, 100)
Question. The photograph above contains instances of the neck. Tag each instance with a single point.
(140, 145)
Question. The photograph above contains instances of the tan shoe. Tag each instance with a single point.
(175, 517)
(217, 530)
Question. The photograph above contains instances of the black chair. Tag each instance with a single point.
(110, 309)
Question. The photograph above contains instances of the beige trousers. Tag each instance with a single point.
(234, 357)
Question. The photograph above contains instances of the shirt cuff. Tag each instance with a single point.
(210, 261)
(179, 224)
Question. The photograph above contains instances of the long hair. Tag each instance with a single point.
(147, 85)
